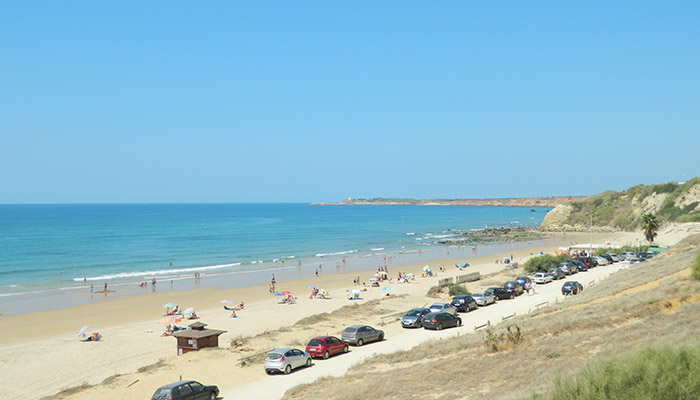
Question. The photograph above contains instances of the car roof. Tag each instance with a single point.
(174, 384)
(439, 304)
(282, 350)
(323, 337)
(419, 309)
(356, 326)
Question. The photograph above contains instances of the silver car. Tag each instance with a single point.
(542, 277)
(361, 334)
(285, 360)
(443, 307)
(413, 318)
(483, 299)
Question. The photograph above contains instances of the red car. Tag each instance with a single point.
(326, 346)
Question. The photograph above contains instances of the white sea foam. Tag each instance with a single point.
(378, 249)
(410, 233)
(161, 272)
(337, 253)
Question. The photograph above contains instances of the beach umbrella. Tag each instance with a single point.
(312, 287)
(190, 310)
(82, 331)
(404, 277)
(373, 279)
(277, 294)
(227, 302)
(286, 293)
(381, 273)
(386, 288)
(426, 268)
(506, 258)
(355, 290)
(169, 305)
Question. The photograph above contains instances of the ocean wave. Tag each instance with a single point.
(154, 273)
(410, 233)
(337, 253)
(378, 249)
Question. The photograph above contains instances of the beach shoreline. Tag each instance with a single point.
(45, 343)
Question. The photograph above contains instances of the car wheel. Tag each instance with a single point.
(326, 355)
(512, 296)
(439, 326)
(345, 349)
(360, 342)
(308, 361)
(212, 396)
(288, 369)
(268, 372)
(381, 337)
(459, 322)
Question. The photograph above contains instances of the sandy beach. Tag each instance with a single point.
(43, 349)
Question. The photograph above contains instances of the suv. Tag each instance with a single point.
(568, 268)
(186, 390)
(463, 303)
(514, 287)
(590, 263)
(361, 334)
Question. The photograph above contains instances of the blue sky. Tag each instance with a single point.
(317, 101)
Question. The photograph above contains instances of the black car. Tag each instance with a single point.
(514, 287)
(524, 281)
(186, 390)
(440, 320)
(464, 303)
(500, 293)
(608, 257)
(571, 287)
(579, 265)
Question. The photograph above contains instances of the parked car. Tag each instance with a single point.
(499, 293)
(607, 257)
(326, 346)
(444, 307)
(412, 319)
(556, 274)
(285, 360)
(601, 260)
(615, 257)
(636, 260)
(542, 277)
(590, 263)
(581, 267)
(186, 390)
(462, 303)
(525, 281)
(627, 255)
(440, 320)
(569, 269)
(484, 299)
(571, 287)
(514, 287)
(361, 334)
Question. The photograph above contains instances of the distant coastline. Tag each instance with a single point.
(505, 202)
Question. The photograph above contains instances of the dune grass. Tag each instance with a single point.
(650, 373)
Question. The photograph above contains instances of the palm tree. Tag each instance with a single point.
(650, 226)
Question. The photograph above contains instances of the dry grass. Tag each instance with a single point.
(652, 302)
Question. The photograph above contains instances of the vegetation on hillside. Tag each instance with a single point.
(621, 209)
(650, 373)
(695, 267)
(544, 263)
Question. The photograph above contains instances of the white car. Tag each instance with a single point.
(627, 255)
(542, 277)
(601, 260)
(443, 307)
(483, 299)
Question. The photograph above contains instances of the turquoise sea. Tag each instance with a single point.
(50, 253)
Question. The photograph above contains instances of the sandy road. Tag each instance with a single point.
(274, 387)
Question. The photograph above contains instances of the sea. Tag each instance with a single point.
(50, 255)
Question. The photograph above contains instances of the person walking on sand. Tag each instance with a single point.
(92, 289)
(105, 287)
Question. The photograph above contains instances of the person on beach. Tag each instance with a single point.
(273, 279)
(92, 289)
(317, 272)
(105, 287)
(233, 314)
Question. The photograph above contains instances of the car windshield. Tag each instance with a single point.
(478, 295)
(413, 313)
(350, 330)
(315, 342)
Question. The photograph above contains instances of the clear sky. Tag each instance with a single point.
(296, 101)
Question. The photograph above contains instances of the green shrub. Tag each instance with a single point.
(652, 373)
(544, 263)
(695, 267)
(458, 289)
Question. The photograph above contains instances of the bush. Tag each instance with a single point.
(544, 263)
(457, 290)
(652, 373)
(695, 267)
